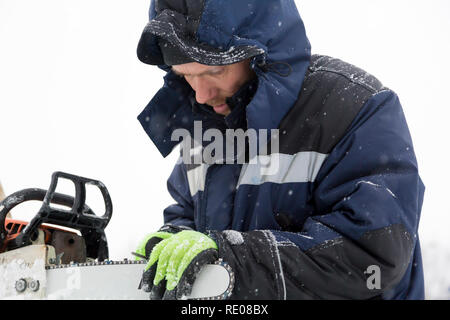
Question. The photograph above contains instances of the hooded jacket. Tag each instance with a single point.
(339, 218)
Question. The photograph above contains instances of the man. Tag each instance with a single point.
(338, 216)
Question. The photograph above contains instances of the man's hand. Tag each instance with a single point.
(174, 263)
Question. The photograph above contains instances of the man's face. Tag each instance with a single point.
(213, 84)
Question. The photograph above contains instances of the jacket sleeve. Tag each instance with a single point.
(367, 197)
(182, 212)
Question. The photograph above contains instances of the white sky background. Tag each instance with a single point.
(71, 88)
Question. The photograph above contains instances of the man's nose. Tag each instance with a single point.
(204, 91)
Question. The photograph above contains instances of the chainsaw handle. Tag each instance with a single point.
(79, 217)
(82, 216)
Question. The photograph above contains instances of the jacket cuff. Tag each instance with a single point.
(173, 228)
(255, 261)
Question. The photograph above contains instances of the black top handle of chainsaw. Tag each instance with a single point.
(79, 217)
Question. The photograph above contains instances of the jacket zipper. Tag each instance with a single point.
(203, 202)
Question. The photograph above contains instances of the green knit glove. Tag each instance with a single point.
(178, 259)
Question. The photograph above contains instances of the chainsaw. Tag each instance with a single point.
(62, 252)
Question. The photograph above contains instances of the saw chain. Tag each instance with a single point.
(93, 264)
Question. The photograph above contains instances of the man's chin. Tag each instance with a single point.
(222, 109)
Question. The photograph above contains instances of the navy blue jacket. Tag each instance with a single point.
(347, 195)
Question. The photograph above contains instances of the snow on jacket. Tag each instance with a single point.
(347, 196)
